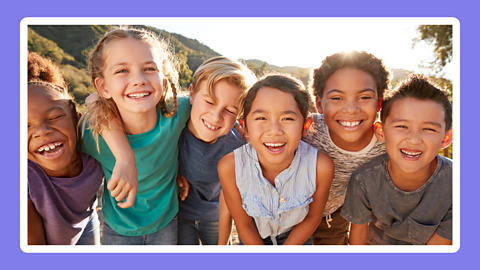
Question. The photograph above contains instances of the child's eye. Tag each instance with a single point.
(231, 112)
(150, 69)
(121, 71)
(288, 119)
(335, 98)
(400, 126)
(55, 117)
(208, 102)
(366, 97)
(260, 118)
(430, 129)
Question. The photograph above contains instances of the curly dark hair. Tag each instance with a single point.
(419, 87)
(43, 69)
(355, 60)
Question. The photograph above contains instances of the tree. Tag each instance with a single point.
(440, 36)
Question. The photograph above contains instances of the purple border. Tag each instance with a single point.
(14, 258)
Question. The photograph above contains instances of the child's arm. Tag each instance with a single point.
(302, 231)
(358, 234)
(36, 233)
(224, 222)
(438, 240)
(124, 180)
(245, 226)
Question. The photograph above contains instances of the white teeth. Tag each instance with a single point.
(349, 124)
(49, 146)
(274, 144)
(411, 153)
(138, 95)
(210, 126)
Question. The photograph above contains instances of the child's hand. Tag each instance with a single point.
(124, 182)
(184, 186)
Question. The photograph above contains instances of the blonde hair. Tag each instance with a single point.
(100, 110)
(218, 68)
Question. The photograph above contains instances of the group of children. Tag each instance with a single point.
(177, 168)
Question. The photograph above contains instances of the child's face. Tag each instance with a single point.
(274, 126)
(349, 107)
(413, 133)
(211, 118)
(51, 132)
(132, 77)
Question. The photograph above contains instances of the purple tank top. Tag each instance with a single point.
(65, 204)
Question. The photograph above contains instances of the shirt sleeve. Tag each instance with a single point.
(356, 208)
(183, 108)
(445, 227)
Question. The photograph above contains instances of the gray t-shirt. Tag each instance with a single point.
(198, 163)
(65, 204)
(399, 217)
(345, 161)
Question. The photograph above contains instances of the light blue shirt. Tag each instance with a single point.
(276, 209)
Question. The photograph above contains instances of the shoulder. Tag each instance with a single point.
(183, 106)
(226, 168)
(325, 166)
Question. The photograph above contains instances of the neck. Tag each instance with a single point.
(411, 181)
(72, 170)
(139, 122)
(271, 171)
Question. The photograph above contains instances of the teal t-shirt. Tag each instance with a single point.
(156, 156)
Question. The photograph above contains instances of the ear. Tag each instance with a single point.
(100, 85)
(379, 104)
(190, 91)
(318, 103)
(307, 125)
(447, 140)
(379, 131)
(242, 124)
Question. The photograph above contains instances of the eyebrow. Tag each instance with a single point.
(437, 124)
(283, 112)
(340, 91)
(126, 63)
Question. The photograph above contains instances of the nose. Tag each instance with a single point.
(216, 114)
(351, 107)
(275, 129)
(413, 137)
(139, 79)
(41, 131)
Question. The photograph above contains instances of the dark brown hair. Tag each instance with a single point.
(419, 87)
(282, 82)
(354, 60)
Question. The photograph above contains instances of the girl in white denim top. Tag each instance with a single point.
(276, 187)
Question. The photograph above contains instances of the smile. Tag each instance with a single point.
(139, 95)
(210, 126)
(275, 148)
(410, 153)
(51, 150)
(349, 123)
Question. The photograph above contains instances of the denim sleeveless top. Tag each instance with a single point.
(276, 209)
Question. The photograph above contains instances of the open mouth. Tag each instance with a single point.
(275, 147)
(411, 154)
(349, 123)
(210, 126)
(51, 150)
(139, 95)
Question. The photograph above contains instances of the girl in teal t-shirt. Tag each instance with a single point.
(132, 71)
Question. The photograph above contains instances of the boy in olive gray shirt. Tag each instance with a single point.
(405, 196)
